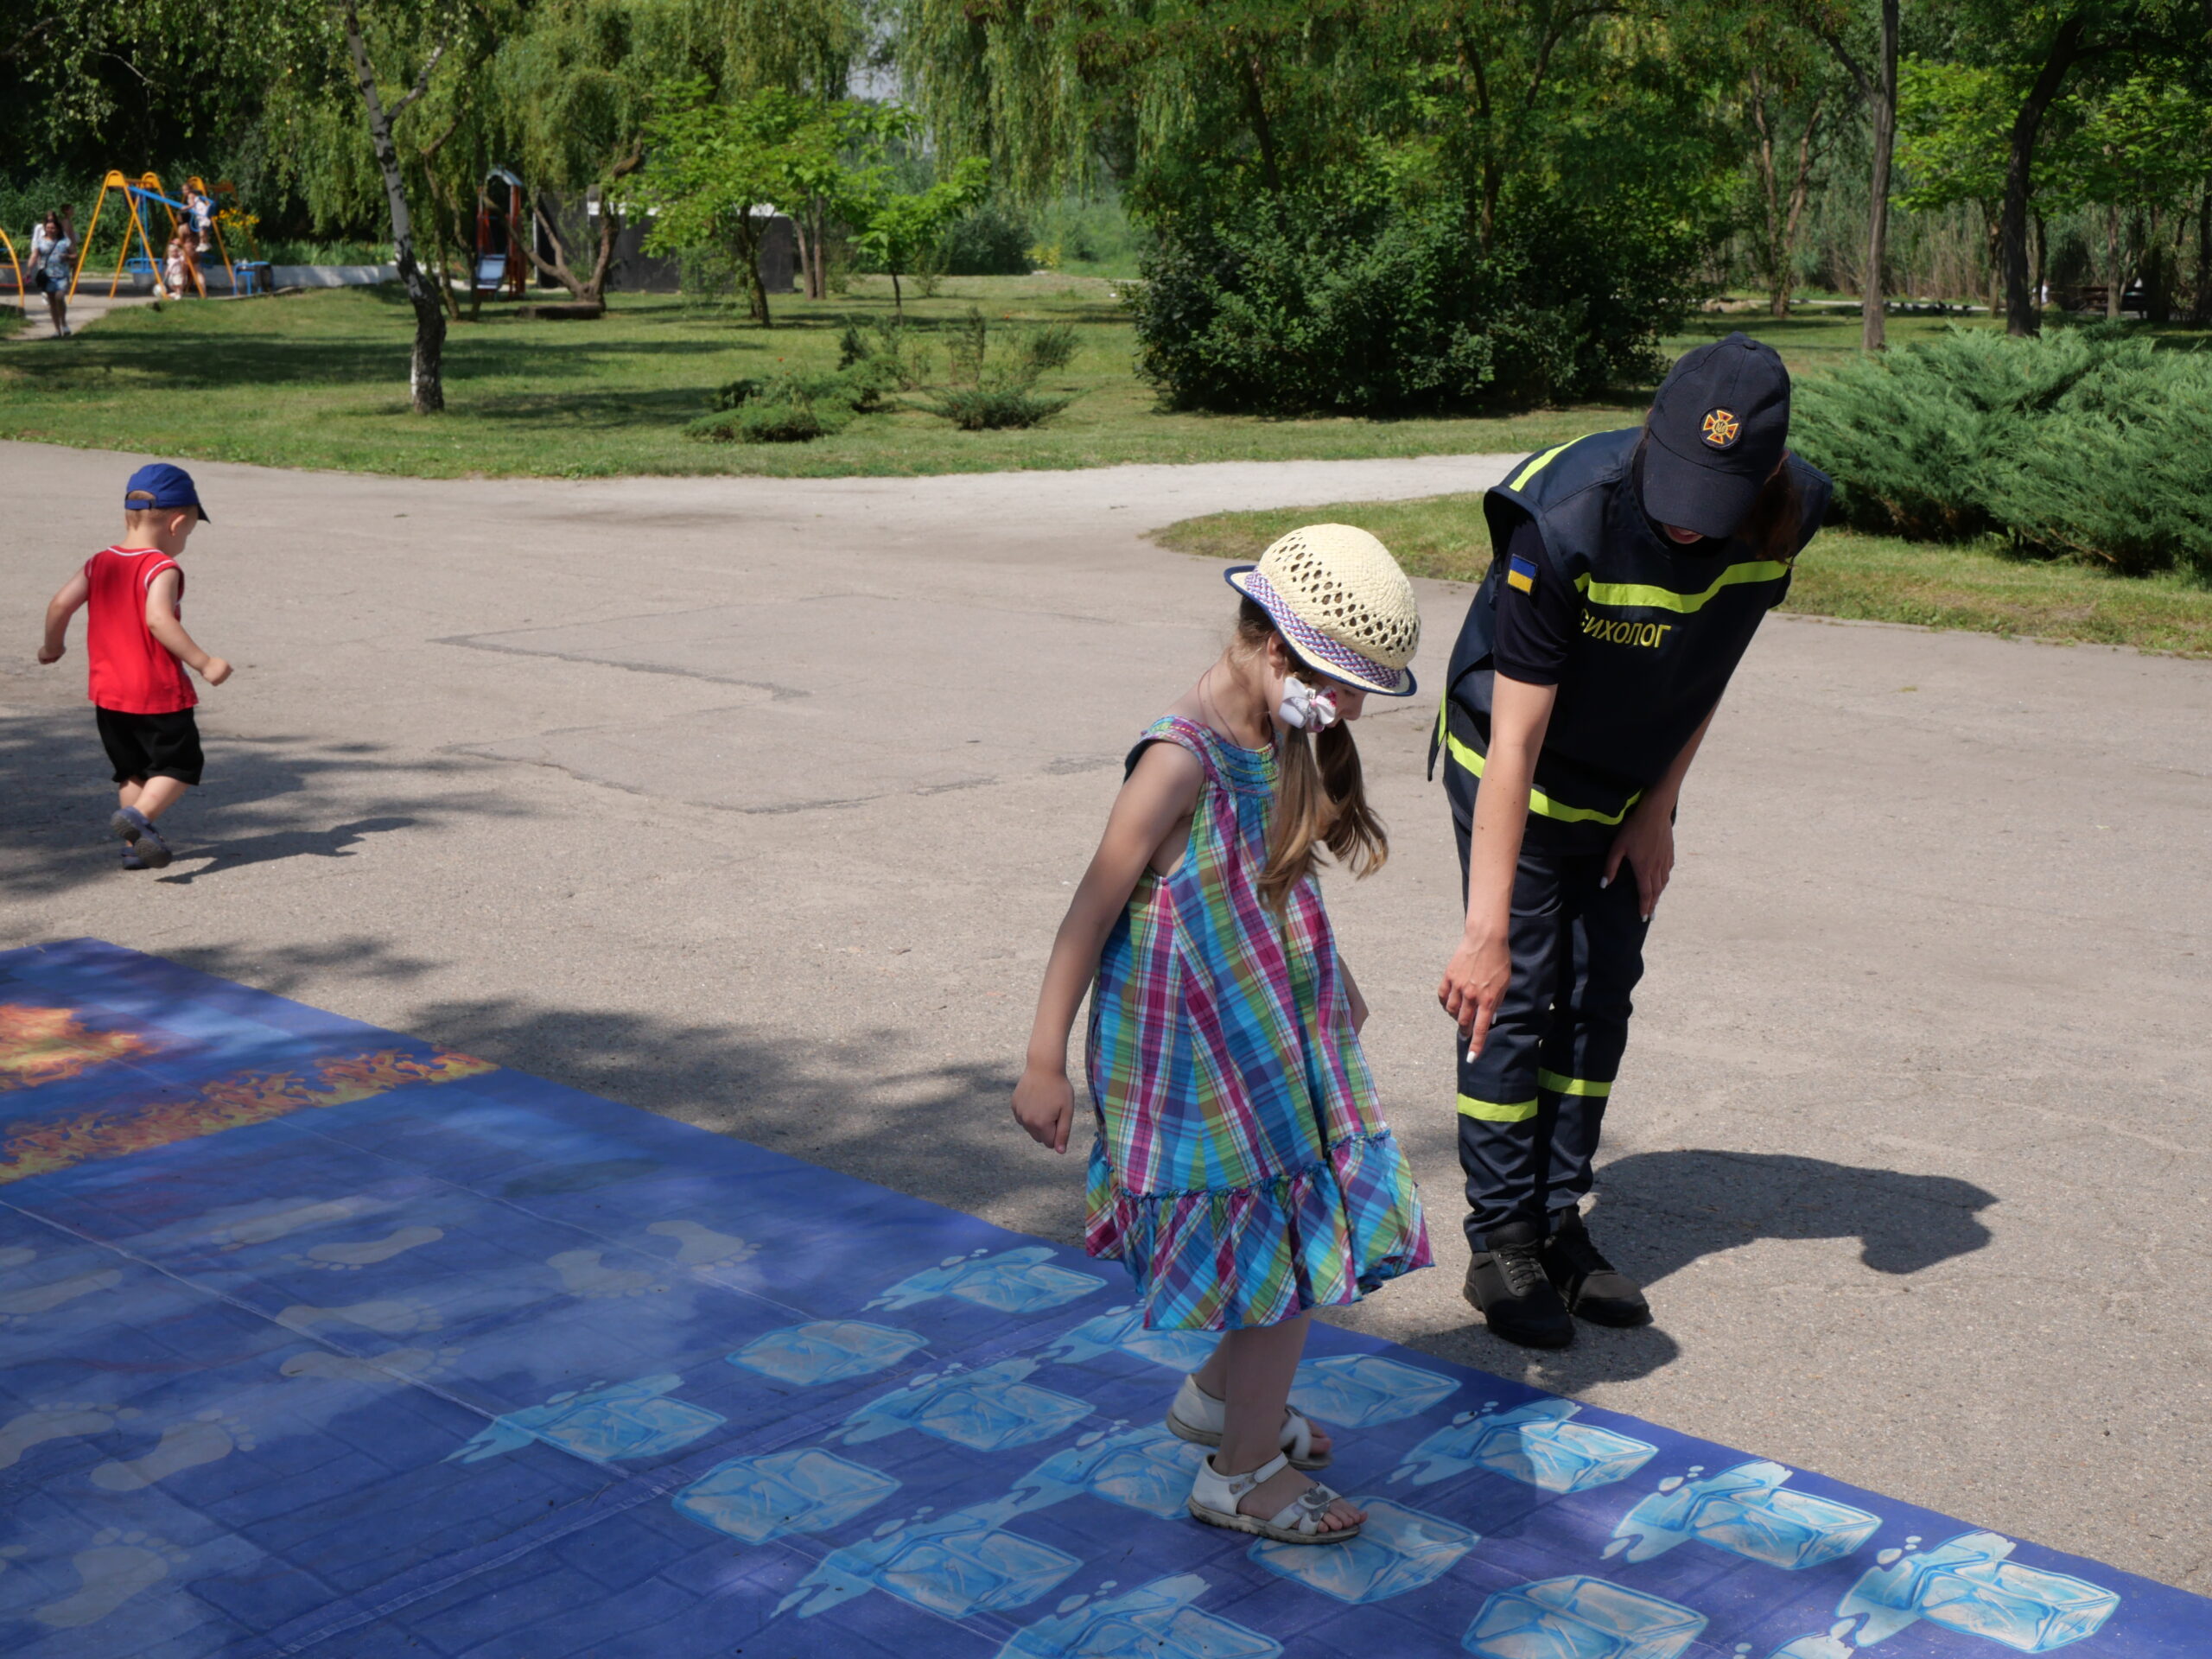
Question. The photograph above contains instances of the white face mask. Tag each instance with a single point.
(1305, 708)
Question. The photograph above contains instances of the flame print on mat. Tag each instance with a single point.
(40, 1148)
(52, 1046)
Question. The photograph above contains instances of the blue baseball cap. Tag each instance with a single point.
(160, 484)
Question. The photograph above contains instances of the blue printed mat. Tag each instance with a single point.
(315, 1338)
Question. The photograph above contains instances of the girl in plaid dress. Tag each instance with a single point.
(1242, 1171)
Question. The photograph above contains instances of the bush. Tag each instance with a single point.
(894, 354)
(1302, 306)
(1050, 347)
(989, 242)
(2084, 443)
(978, 409)
(789, 409)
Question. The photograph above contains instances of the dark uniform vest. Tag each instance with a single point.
(1662, 629)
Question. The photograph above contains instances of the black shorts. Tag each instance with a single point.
(152, 746)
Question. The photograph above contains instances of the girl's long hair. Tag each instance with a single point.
(1320, 796)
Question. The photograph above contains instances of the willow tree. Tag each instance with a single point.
(577, 87)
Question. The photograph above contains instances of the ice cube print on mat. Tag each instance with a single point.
(1538, 1444)
(1145, 1468)
(1398, 1549)
(605, 1421)
(1580, 1617)
(1122, 1329)
(1747, 1511)
(955, 1565)
(764, 1497)
(1967, 1584)
(828, 1350)
(987, 1409)
(1359, 1390)
(1012, 1282)
(1154, 1621)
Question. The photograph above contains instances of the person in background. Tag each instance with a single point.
(53, 249)
(180, 266)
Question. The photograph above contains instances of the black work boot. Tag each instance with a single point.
(1506, 1285)
(1592, 1287)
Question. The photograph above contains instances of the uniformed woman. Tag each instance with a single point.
(1629, 572)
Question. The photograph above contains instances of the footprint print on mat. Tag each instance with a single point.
(702, 1247)
(352, 1258)
(16, 1255)
(207, 1438)
(397, 1316)
(583, 1274)
(297, 1214)
(57, 1422)
(115, 1567)
(395, 1369)
(20, 1305)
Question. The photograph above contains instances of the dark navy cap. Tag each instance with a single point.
(1719, 425)
(157, 484)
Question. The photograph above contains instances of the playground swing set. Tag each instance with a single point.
(137, 199)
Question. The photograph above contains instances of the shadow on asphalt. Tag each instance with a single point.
(260, 803)
(939, 1133)
(1660, 1211)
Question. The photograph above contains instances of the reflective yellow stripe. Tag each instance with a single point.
(1538, 801)
(1540, 462)
(1598, 1088)
(1498, 1111)
(1666, 599)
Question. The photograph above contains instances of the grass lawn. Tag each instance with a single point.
(1873, 578)
(319, 380)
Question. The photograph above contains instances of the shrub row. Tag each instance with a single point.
(2086, 443)
(1289, 305)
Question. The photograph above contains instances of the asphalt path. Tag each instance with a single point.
(755, 802)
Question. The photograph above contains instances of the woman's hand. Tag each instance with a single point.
(1474, 984)
(1646, 844)
(1044, 1104)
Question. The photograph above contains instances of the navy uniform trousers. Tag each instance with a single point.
(1532, 1104)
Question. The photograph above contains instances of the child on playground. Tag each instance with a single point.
(1242, 1171)
(138, 651)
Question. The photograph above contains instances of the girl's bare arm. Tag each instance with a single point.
(161, 621)
(1159, 794)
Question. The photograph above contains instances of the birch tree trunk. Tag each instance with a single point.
(426, 370)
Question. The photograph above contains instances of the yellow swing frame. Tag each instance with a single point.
(22, 294)
(146, 184)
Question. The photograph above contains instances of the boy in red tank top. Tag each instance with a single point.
(139, 651)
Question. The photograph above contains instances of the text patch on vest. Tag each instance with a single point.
(1624, 633)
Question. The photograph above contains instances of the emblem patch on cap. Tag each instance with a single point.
(1721, 428)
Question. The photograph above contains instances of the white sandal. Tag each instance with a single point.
(1199, 1418)
(1214, 1497)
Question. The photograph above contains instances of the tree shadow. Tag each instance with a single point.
(261, 802)
(938, 1132)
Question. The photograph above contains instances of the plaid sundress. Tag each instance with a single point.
(1242, 1170)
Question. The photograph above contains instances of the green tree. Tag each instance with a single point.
(897, 229)
(716, 171)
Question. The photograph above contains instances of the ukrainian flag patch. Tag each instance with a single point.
(1522, 573)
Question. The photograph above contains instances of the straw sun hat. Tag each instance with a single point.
(1342, 605)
